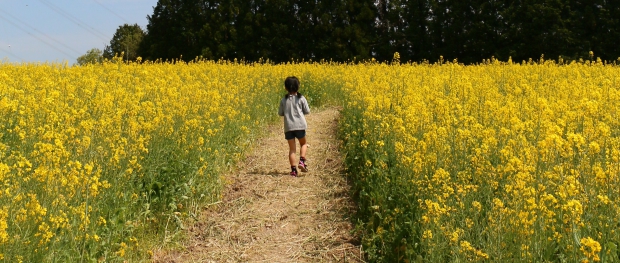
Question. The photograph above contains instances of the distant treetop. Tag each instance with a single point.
(343, 30)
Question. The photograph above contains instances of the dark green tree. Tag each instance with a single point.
(469, 31)
(596, 22)
(92, 56)
(536, 27)
(217, 33)
(173, 30)
(403, 26)
(126, 40)
(278, 30)
(608, 30)
(465, 30)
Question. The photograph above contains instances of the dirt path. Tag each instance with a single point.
(269, 216)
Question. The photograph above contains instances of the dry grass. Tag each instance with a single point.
(269, 216)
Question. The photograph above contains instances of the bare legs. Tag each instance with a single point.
(292, 150)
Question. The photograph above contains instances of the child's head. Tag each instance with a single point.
(291, 84)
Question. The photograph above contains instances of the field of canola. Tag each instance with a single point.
(497, 162)
(493, 162)
(102, 161)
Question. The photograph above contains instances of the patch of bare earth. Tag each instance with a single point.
(269, 216)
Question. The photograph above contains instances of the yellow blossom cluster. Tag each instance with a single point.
(498, 161)
(490, 162)
(93, 159)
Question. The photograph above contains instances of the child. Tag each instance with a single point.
(293, 107)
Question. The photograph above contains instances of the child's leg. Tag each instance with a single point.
(303, 146)
(302, 153)
(291, 152)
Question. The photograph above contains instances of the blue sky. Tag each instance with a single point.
(63, 30)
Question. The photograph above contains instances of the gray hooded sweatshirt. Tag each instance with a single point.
(293, 108)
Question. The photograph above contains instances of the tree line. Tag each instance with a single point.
(344, 30)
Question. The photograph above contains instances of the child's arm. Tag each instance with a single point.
(281, 108)
(304, 106)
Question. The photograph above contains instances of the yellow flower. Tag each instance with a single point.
(427, 234)
(4, 237)
(476, 205)
(454, 237)
(121, 250)
(590, 248)
(595, 147)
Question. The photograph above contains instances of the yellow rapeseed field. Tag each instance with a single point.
(97, 160)
(497, 162)
(492, 162)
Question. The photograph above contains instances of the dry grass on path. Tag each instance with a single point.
(269, 216)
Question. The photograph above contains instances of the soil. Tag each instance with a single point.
(266, 215)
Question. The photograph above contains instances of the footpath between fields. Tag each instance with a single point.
(268, 215)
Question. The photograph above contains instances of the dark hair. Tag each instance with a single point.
(291, 84)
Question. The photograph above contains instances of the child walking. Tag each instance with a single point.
(293, 107)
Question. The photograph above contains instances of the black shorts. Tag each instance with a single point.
(289, 135)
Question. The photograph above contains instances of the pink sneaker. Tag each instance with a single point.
(302, 166)
(293, 173)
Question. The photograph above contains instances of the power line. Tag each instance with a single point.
(76, 20)
(40, 39)
(11, 54)
(110, 10)
(31, 27)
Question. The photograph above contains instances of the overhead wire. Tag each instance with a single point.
(35, 36)
(11, 54)
(76, 20)
(45, 35)
(111, 11)
(66, 15)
